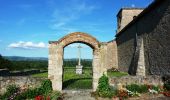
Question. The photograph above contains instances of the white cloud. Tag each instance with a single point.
(75, 45)
(70, 12)
(133, 5)
(27, 45)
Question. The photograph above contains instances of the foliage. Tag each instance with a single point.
(137, 88)
(167, 86)
(103, 89)
(156, 88)
(11, 89)
(41, 65)
(55, 94)
(133, 94)
(5, 64)
(44, 89)
(73, 63)
(23, 65)
(46, 86)
(166, 80)
(122, 94)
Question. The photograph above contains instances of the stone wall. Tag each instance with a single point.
(22, 81)
(109, 55)
(153, 27)
(126, 15)
(127, 80)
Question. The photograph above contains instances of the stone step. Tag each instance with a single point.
(77, 95)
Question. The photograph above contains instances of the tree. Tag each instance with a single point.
(5, 64)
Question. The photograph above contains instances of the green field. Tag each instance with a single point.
(73, 81)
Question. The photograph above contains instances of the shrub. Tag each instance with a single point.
(156, 88)
(166, 80)
(103, 89)
(46, 86)
(11, 89)
(44, 89)
(55, 95)
(167, 86)
(137, 88)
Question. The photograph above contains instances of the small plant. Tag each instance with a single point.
(43, 90)
(167, 86)
(11, 89)
(122, 94)
(137, 88)
(133, 94)
(55, 95)
(103, 89)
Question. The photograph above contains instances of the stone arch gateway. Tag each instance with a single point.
(55, 63)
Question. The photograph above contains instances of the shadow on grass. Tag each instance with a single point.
(71, 84)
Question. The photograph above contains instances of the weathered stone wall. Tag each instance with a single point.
(154, 28)
(127, 80)
(126, 15)
(125, 49)
(109, 55)
(21, 81)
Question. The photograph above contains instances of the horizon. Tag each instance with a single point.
(27, 26)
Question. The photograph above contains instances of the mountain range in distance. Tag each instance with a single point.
(20, 58)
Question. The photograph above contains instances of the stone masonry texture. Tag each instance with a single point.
(154, 28)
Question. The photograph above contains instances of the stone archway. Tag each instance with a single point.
(55, 69)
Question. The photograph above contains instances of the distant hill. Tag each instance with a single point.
(19, 58)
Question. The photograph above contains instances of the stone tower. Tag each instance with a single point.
(125, 16)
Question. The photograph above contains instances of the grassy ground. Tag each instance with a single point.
(116, 74)
(73, 81)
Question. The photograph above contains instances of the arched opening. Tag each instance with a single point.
(56, 51)
(75, 77)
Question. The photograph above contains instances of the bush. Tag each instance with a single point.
(46, 86)
(55, 95)
(44, 89)
(103, 89)
(167, 86)
(11, 89)
(166, 80)
(156, 88)
(137, 88)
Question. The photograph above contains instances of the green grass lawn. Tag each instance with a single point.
(116, 74)
(71, 80)
(43, 75)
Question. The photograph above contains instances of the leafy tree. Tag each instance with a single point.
(5, 64)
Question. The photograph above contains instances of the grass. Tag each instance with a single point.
(43, 75)
(116, 74)
(71, 80)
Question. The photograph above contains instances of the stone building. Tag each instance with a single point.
(125, 16)
(143, 45)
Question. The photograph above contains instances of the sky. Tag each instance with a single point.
(26, 26)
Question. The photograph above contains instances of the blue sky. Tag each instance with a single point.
(26, 26)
